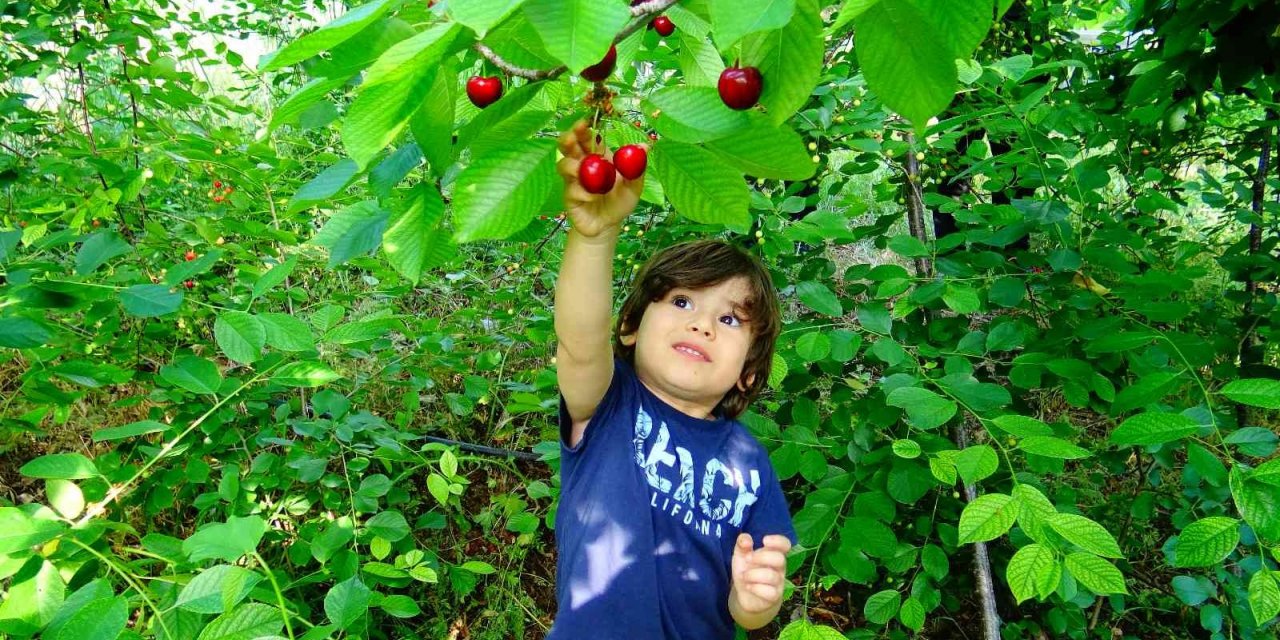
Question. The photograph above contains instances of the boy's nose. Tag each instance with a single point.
(693, 326)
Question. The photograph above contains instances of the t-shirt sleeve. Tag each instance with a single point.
(770, 515)
(621, 385)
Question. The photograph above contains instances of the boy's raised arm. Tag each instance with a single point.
(584, 289)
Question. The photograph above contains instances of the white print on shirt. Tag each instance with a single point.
(705, 513)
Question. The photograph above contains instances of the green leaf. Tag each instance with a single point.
(204, 594)
(328, 36)
(906, 449)
(882, 606)
(19, 532)
(790, 61)
(912, 614)
(925, 409)
(400, 606)
(194, 374)
(977, 462)
(500, 193)
(1264, 596)
(1255, 392)
(875, 319)
(818, 297)
(962, 25)
(481, 15)
(700, 186)
(389, 525)
(1051, 447)
(98, 249)
(577, 32)
(767, 152)
(1086, 534)
(1257, 502)
(304, 374)
(1098, 575)
(130, 430)
(274, 276)
(439, 488)
(286, 333)
(363, 331)
(346, 602)
(988, 517)
(249, 621)
(906, 62)
(734, 19)
(22, 333)
(804, 630)
(34, 597)
(1153, 427)
(65, 497)
(186, 270)
(240, 336)
(1022, 426)
(327, 184)
(695, 115)
(961, 299)
(1206, 542)
(479, 568)
(352, 232)
(432, 123)
(1034, 512)
(93, 618)
(289, 111)
(225, 541)
(150, 300)
(61, 466)
(416, 240)
(1033, 571)
(813, 346)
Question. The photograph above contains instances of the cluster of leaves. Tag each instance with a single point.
(1064, 345)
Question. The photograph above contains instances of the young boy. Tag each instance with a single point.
(672, 524)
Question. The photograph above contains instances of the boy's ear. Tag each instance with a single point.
(627, 339)
(743, 384)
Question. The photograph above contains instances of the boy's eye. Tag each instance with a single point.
(731, 320)
(680, 301)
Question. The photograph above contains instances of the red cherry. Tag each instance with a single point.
(190, 284)
(631, 161)
(484, 90)
(217, 184)
(740, 87)
(596, 174)
(191, 255)
(663, 26)
(653, 136)
(601, 70)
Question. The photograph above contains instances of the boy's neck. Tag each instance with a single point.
(698, 410)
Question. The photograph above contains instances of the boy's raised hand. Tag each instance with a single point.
(593, 214)
(758, 574)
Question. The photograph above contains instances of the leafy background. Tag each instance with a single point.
(276, 336)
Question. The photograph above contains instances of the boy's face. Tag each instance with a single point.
(692, 344)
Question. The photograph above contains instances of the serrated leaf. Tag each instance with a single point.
(347, 601)
(804, 630)
(352, 232)
(1264, 596)
(977, 462)
(1206, 542)
(962, 25)
(577, 32)
(240, 336)
(432, 124)
(325, 185)
(1034, 512)
(1098, 575)
(1022, 426)
(818, 297)
(776, 153)
(303, 99)
(19, 532)
(327, 36)
(204, 593)
(695, 115)
(1255, 392)
(249, 621)
(481, 15)
(734, 19)
(906, 449)
(700, 186)
(1051, 447)
(286, 333)
(416, 240)
(194, 374)
(1033, 571)
(790, 60)
(98, 249)
(912, 614)
(274, 276)
(925, 409)
(906, 62)
(150, 300)
(987, 517)
(1086, 534)
(500, 193)
(882, 606)
(1153, 427)
(1257, 502)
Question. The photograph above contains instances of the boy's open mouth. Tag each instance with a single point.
(691, 351)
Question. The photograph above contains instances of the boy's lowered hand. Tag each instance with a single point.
(593, 214)
(758, 577)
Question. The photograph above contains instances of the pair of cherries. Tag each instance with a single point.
(597, 175)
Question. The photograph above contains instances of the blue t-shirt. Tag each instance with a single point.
(651, 503)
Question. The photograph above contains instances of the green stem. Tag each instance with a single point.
(284, 612)
(128, 579)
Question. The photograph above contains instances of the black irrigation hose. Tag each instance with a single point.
(488, 451)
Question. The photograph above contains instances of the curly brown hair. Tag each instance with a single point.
(700, 264)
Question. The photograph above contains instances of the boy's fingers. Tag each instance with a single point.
(769, 558)
(762, 576)
(585, 136)
(574, 193)
(744, 542)
(781, 543)
(567, 167)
